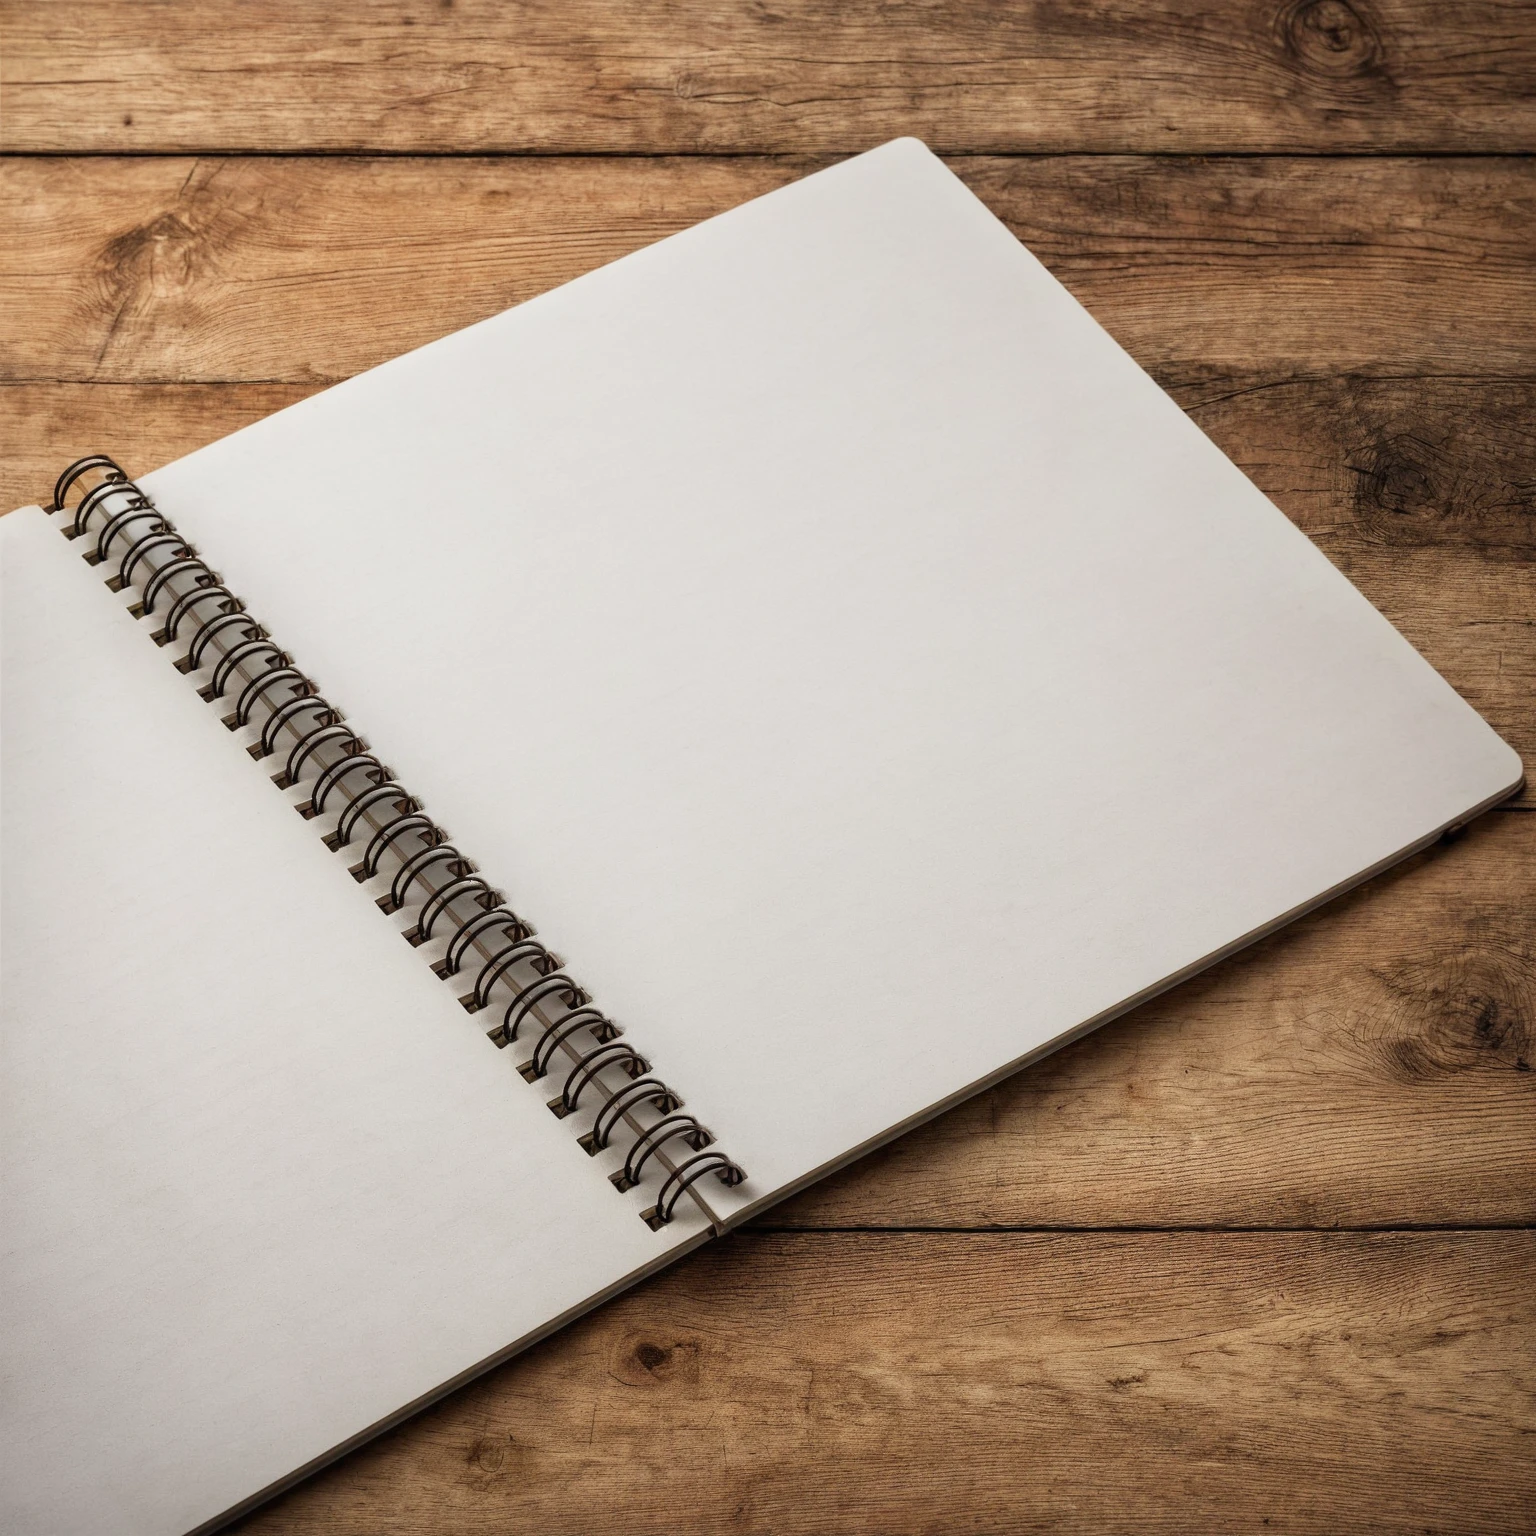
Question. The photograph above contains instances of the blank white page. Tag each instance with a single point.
(264, 1181)
(846, 655)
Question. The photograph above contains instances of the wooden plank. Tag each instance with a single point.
(906, 1383)
(1419, 489)
(143, 425)
(304, 269)
(825, 76)
(1364, 1067)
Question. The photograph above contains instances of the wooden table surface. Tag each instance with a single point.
(1259, 1256)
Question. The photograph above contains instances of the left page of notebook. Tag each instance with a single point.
(265, 1184)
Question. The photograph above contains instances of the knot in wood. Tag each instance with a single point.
(651, 1356)
(1401, 490)
(1332, 39)
(1465, 1008)
(166, 247)
(1426, 487)
(644, 1362)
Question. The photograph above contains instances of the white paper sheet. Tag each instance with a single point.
(265, 1183)
(839, 647)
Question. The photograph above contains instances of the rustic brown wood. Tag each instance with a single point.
(309, 269)
(144, 425)
(904, 1383)
(828, 76)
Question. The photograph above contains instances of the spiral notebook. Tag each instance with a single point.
(479, 833)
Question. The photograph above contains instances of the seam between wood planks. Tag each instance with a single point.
(365, 152)
(1130, 1229)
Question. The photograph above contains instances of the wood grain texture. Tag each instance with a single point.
(906, 1383)
(311, 269)
(826, 76)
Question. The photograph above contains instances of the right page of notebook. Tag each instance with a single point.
(851, 661)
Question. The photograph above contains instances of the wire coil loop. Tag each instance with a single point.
(417, 865)
(185, 565)
(650, 1091)
(519, 952)
(383, 840)
(517, 1011)
(286, 712)
(346, 824)
(651, 1141)
(684, 1177)
(65, 483)
(614, 1053)
(586, 1017)
(162, 537)
(475, 927)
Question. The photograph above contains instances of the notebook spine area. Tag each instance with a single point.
(338, 782)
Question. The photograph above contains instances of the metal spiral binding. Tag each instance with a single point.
(285, 709)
